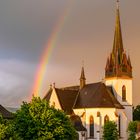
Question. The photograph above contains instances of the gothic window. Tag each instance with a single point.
(123, 93)
(91, 126)
(106, 119)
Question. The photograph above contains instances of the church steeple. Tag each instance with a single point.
(118, 43)
(82, 79)
(118, 64)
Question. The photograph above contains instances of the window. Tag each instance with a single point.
(123, 93)
(91, 125)
(106, 119)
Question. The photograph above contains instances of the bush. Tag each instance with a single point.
(132, 129)
(136, 113)
(110, 131)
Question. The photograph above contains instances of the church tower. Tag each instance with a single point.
(118, 71)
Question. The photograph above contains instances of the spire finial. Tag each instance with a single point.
(83, 63)
(118, 4)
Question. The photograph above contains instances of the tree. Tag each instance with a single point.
(136, 113)
(6, 129)
(110, 131)
(37, 120)
(132, 129)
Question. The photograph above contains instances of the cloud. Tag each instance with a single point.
(15, 82)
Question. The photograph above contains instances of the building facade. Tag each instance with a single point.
(92, 105)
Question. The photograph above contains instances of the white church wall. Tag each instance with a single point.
(54, 100)
(117, 84)
(98, 121)
(123, 123)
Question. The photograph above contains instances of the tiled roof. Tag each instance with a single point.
(67, 99)
(96, 95)
(48, 95)
(5, 113)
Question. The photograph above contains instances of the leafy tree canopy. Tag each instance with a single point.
(110, 131)
(37, 120)
(6, 129)
(132, 129)
(136, 113)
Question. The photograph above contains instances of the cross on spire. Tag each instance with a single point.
(118, 4)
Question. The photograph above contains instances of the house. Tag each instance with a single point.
(5, 113)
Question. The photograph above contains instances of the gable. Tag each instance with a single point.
(53, 98)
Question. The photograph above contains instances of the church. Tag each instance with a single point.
(90, 105)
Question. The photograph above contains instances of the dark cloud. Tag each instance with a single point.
(86, 34)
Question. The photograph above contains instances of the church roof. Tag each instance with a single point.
(67, 99)
(5, 113)
(96, 95)
(48, 95)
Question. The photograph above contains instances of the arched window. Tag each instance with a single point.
(91, 126)
(123, 93)
(106, 119)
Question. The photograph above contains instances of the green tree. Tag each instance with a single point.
(6, 129)
(132, 129)
(37, 120)
(136, 113)
(110, 131)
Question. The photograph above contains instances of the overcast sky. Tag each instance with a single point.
(87, 34)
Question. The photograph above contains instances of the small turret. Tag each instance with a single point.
(82, 79)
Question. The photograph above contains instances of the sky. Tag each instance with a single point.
(86, 34)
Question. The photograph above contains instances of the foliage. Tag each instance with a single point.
(6, 129)
(110, 131)
(132, 129)
(136, 113)
(39, 121)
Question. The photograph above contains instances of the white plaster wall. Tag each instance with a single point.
(124, 124)
(54, 99)
(126, 116)
(117, 84)
(98, 121)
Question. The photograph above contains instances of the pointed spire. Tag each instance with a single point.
(119, 64)
(82, 79)
(118, 43)
(117, 4)
(107, 63)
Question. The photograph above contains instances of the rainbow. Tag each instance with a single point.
(51, 44)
